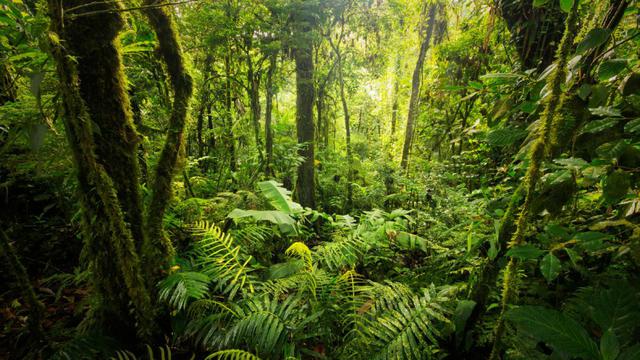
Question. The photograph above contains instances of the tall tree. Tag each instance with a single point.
(426, 31)
(303, 23)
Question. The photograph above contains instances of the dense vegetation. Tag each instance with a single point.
(330, 179)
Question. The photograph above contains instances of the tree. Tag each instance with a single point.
(427, 27)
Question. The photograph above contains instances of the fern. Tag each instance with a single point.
(177, 288)
(222, 261)
(342, 252)
(232, 355)
(400, 325)
(164, 353)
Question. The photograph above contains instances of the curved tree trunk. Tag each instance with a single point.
(109, 242)
(159, 248)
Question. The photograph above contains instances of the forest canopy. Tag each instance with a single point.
(320, 179)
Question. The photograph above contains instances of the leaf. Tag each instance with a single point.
(591, 240)
(460, 317)
(632, 126)
(605, 111)
(557, 330)
(505, 136)
(630, 353)
(611, 150)
(594, 38)
(539, 3)
(525, 252)
(566, 5)
(597, 126)
(616, 186)
(550, 267)
(631, 85)
(274, 216)
(500, 78)
(609, 346)
(572, 163)
(611, 68)
(583, 91)
(279, 197)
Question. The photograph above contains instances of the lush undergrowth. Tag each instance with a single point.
(483, 206)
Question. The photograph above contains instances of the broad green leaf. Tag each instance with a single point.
(611, 150)
(539, 3)
(274, 216)
(557, 330)
(460, 317)
(631, 85)
(594, 38)
(550, 267)
(611, 68)
(566, 5)
(525, 252)
(583, 91)
(616, 186)
(279, 197)
(591, 240)
(609, 345)
(597, 126)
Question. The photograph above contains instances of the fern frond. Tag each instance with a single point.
(342, 252)
(232, 354)
(177, 288)
(302, 251)
(222, 260)
(400, 326)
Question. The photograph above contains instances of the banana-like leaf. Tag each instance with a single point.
(279, 197)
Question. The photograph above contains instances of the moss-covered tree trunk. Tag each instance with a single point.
(110, 248)
(414, 101)
(303, 50)
(268, 131)
(159, 247)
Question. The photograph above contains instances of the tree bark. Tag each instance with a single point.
(268, 171)
(109, 243)
(159, 248)
(395, 105)
(303, 50)
(414, 102)
(253, 89)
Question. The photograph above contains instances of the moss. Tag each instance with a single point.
(550, 120)
(109, 243)
(158, 248)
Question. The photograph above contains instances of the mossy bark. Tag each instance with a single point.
(414, 101)
(159, 247)
(268, 171)
(550, 119)
(303, 54)
(103, 89)
(110, 250)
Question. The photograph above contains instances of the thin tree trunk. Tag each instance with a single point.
(268, 115)
(395, 105)
(204, 104)
(414, 102)
(159, 247)
(253, 90)
(229, 115)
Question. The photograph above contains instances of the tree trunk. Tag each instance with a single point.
(109, 242)
(268, 115)
(228, 111)
(253, 90)
(414, 102)
(395, 105)
(159, 248)
(305, 187)
(204, 104)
